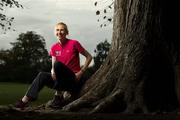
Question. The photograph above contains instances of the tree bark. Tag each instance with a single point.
(138, 74)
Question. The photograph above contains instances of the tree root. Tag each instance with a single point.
(96, 104)
(109, 101)
(82, 102)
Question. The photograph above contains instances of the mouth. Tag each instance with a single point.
(59, 35)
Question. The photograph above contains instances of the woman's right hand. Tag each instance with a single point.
(53, 75)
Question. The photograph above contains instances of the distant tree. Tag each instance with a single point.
(5, 22)
(27, 56)
(30, 48)
(101, 53)
(5, 65)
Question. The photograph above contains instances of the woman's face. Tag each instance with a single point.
(60, 32)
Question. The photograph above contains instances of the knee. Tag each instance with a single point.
(58, 65)
(42, 75)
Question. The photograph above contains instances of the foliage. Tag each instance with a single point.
(105, 11)
(25, 59)
(30, 49)
(5, 22)
(101, 53)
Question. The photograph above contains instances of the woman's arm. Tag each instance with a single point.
(87, 61)
(86, 64)
(52, 69)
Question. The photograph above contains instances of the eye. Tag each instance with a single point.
(62, 30)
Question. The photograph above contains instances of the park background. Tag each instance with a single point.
(39, 17)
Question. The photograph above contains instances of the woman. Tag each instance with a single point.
(65, 73)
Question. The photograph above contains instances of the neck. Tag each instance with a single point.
(62, 41)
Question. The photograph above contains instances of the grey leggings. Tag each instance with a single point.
(65, 80)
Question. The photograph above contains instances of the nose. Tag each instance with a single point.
(61, 32)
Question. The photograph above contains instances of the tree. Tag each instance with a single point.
(101, 53)
(139, 72)
(5, 22)
(26, 58)
(30, 48)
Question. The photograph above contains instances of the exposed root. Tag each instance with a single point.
(109, 101)
(79, 103)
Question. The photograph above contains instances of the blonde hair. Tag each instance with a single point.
(65, 26)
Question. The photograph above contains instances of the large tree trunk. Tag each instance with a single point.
(138, 74)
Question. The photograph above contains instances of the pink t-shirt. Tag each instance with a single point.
(68, 53)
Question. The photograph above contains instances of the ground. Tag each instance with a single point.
(7, 113)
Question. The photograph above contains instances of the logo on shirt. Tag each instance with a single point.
(58, 53)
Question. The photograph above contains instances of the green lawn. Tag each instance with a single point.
(12, 92)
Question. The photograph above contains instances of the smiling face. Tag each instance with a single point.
(61, 32)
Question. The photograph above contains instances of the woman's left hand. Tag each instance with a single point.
(79, 75)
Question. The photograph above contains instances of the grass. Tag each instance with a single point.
(10, 93)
